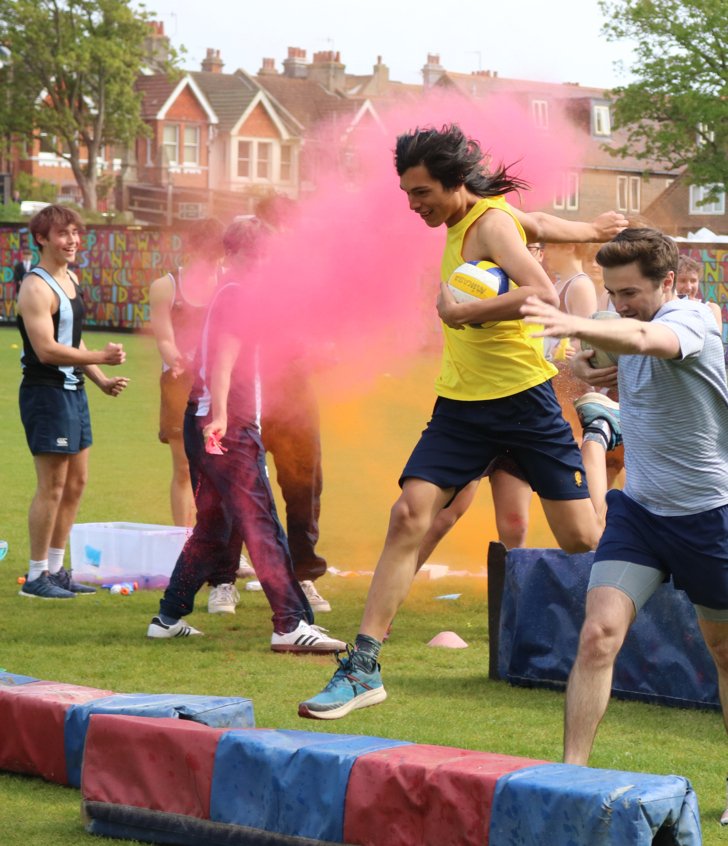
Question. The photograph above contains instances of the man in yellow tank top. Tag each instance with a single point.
(494, 392)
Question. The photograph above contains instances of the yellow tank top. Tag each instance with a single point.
(498, 359)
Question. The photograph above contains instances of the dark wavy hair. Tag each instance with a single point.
(453, 159)
(654, 253)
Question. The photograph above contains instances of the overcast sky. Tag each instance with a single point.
(550, 40)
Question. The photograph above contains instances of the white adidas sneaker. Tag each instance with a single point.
(179, 629)
(306, 638)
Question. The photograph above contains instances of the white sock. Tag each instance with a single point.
(55, 559)
(36, 569)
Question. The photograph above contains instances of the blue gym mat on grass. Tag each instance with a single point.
(664, 659)
(289, 782)
(564, 805)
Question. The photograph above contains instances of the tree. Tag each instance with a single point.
(677, 110)
(71, 77)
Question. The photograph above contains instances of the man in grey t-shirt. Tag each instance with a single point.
(672, 517)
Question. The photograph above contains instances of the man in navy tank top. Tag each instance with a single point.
(53, 403)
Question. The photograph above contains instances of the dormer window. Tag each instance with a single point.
(602, 120)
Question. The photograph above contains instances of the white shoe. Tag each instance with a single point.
(245, 570)
(315, 600)
(223, 599)
(179, 629)
(306, 638)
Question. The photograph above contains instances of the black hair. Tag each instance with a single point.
(453, 159)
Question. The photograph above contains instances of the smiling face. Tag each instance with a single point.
(62, 243)
(635, 295)
(428, 198)
(688, 284)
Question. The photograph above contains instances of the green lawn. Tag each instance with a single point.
(436, 696)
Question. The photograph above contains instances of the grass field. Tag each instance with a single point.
(436, 696)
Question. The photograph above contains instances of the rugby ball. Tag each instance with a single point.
(602, 358)
(477, 280)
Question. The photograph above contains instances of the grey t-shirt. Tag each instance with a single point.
(675, 417)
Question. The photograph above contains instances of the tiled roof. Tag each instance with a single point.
(308, 101)
(228, 94)
(155, 90)
(367, 86)
(483, 83)
(577, 102)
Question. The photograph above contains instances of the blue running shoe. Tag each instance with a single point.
(62, 579)
(595, 406)
(43, 588)
(348, 690)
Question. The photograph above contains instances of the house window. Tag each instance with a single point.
(286, 163)
(244, 151)
(572, 190)
(540, 113)
(622, 192)
(566, 195)
(170, 143)
(629, 193)
(264, 160)
(704, 135)
(48, 143)
(192, 145)
(634, 193)
(698, 193)
(602, 121)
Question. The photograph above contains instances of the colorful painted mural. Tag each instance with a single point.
(714, 285)
(115, 267)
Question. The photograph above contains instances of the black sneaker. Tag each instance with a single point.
(44, 588)
(62, 579)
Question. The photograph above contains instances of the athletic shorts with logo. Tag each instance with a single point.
(55, 419)
(464, 437)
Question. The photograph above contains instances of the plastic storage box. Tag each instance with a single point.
(106, 553)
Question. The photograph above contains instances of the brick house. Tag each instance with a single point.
(679, 210)
(41, 158)
(600, 181)
(218, 144)
(318, 96)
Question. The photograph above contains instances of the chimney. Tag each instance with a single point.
(380, 77)
(328, 70)
(212, 63)
(156, 46)
(295, 66)
(432, 71)
(268, 68)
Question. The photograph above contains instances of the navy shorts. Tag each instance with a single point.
(55, 420)
(464, 437)
(693, 548)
